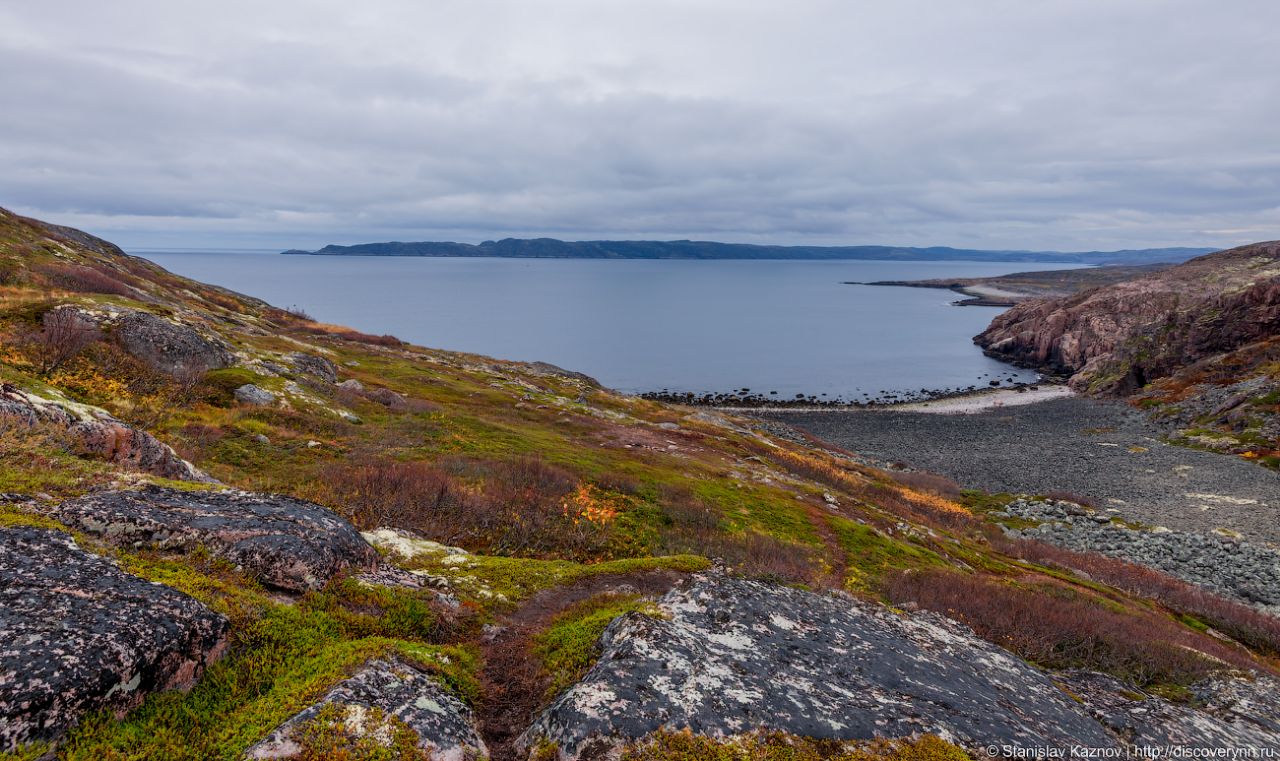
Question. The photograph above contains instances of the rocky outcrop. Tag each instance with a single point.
(93, 432)
(381, 689)
(283, 542)
(254, 395)
(169, 346)
(310, 364)
(1237, 569)
(1118, 338)
(729, 656)
(77, 634)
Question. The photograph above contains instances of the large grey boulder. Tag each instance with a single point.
(169, 346)
(254, 395)
(285, 543)
(731, 656)
(310, 364)
(95, 433)
(77, 634)
(396, 688)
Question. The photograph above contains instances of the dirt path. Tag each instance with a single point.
(513, 687)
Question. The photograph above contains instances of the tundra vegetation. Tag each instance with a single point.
(542, 502)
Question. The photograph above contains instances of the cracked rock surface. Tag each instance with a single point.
(77, 634)
(285, 543)
(397, 688)
(735, 655)
(1236, 713)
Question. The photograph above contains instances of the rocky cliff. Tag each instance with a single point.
(1198, 341)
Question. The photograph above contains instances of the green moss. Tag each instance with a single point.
(570, 645)
(334, 733)
(870, 554)
(13, 515)
(493, 580)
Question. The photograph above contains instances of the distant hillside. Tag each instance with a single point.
(550, 248)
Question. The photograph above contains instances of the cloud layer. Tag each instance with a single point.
(1067, 124)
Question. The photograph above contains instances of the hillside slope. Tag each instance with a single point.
(1198, 343)
(246, 461)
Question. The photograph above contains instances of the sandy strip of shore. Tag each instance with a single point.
(964, 404)
(980, 401)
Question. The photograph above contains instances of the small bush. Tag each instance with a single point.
(519, 507)
(931, 483)
(63, 336)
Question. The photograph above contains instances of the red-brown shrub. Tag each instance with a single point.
(63, 336)
(514, 507)
(1237, 620)
(82, 279)
(1056, 626)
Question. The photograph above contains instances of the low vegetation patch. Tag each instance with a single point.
(571, 643)
(1057, 626)
(775, 746)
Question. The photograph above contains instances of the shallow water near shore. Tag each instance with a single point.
(788, 327)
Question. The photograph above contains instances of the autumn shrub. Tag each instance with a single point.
(63, 335)
(522, 507)
(81, 279)
(1237, 620)
(1056, 626)
(932, 483)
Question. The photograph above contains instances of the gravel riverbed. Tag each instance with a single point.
(1106, 452)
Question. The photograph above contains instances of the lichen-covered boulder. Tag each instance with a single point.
(310, 364)
(77, 634)
(95, 433)
(169, 346)
(285, 543)
(731, 656)
(1231, 713)
(391, 689)
(251, 394)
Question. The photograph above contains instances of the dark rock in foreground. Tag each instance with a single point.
(397, 689)
(283, 542)
(735, 656)
(1236, 713)
(77, 634)
(97, 434)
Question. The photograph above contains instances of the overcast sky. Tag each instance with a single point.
(1052, 124)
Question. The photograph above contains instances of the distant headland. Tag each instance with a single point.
(551, 248)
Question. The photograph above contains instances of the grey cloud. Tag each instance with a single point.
(1058, 124)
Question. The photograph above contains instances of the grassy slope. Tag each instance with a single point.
(545, 478)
